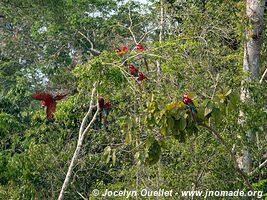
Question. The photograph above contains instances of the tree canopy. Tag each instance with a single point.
(152, 139)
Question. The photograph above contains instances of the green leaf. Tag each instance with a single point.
(164, 130)
(170, 122)
(182, 124)
(128, 138)
(114, 157)
(228, 92)
(192, 95)
(208, 108)
(171, 106)
(107, 150)
(217, 115)
(137, 155)
(234, 100)
(107, 159)
(153, 151)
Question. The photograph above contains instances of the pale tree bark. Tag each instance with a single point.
(158, 63)
(251, 63)
(82, 133)
(161, 30)
(92, 50)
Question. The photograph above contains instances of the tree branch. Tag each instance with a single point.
(130, 27)
(93, 51)
(228, 149)
(263, 75)
(88, 113)
(82, 134)
(262, 165)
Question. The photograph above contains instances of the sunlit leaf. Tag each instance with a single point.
(114, 157)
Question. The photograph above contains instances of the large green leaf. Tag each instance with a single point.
(153, 151)
(217, 115)
(208, 109)
(182, 123)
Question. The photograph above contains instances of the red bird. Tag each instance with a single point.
(136, 73)
(124, 49)
(121, 52)
(104, 109)
(140, 48)
(49, 102)
(141, 76)
(187, 101)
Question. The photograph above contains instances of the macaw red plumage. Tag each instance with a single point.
(124, 49)
(133, 66)
(140, 48)
(104, 109)
(189, 102)
(121, 52)
(141, 76)
(49, 102)
(136, 73)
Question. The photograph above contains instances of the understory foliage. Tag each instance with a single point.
(153, 140)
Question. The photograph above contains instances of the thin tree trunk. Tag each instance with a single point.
(161, 26)
(82, 133)
(161, 32)
(251, 63)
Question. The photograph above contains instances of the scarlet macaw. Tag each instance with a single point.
(140, 48)
(136, 73)
(122, 53)
(104, 109)
(49, 102)
(187, 101)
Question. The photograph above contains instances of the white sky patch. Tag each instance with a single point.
(42, 30)
(142, 1)
(93, 14)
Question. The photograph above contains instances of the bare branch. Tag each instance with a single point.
(88, 113)
(82, 134)
(146, 33)
(130, 27)
(93, 51)
(263, 75)
(262, 165)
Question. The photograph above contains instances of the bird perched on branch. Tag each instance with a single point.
(122, 53)
(104, 110)
(136, 73)
(140, 48)
(189, 102)
(133, 65)
(48, 101)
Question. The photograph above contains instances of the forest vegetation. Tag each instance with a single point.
(157, 94)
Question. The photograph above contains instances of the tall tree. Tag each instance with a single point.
(251, 63)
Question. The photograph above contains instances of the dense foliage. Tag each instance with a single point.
(153, 140)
